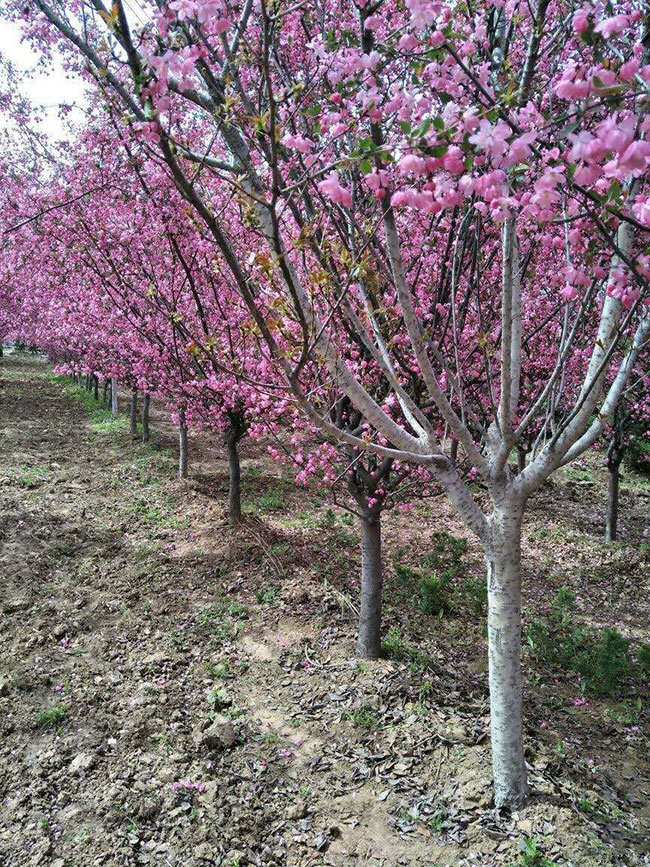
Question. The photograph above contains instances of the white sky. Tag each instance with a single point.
(49, 87)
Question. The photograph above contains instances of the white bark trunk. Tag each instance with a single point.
(182, 450)
(146, 400)
(133, 414)
(369, 633)
(503, 556)
(114, 397)
(234, 486)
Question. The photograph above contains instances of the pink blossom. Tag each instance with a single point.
(492, 139)
(612, 26)
(297, 142)
(184, 9)
(580, 20)
(331, 187)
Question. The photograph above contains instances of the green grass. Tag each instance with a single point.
(396, 648)
(575, 474)
(267, 597)
(364, 717)
(101, 420)
(51, 717)
(31, 477)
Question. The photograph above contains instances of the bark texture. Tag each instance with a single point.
(146, 400)
(613, 483)
(369, 633)
(521, 458)
(182, 447)
(503, 556)
(114, 397)
(234, 489)
(133, 414)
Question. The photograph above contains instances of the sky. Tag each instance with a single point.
(48, 88)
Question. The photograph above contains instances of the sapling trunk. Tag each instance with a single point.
(133, 413)
(613, 483)
(182, 446)
(114, 397)
(369, 631)
(503, 557)
(234, 487)
(146, 399)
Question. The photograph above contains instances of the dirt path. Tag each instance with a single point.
(175, 694)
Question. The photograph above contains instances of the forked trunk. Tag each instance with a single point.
(369, 633)
(114, 397)
(234, 488)
(503, 557)
(182, 446)
(146, 399)
(133, 413)
(613, 483)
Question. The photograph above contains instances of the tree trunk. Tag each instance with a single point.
(114, 397)
(104, 395)
(96, 385)
(613, 480)
(369, 633)
(133, 413)
(503, 557)
(234, 489)
(182, 446)
(453, 452)
(146, 399)
(521, 459)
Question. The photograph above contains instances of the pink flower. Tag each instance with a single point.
(412, 163)
(492, 139)
(612, 26)
(184, 9)
(298, 143)
(641, 210)
(580, 21)
(635, 159)
(331, 187)
(629, 70)
(520, 148)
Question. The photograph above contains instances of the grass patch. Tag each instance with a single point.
(396, 648)
(31, 477)
(364, 717)
(601, 657)
(51, 717)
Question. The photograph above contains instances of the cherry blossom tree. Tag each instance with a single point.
(411, 176)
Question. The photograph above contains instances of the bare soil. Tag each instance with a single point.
(175, 693)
